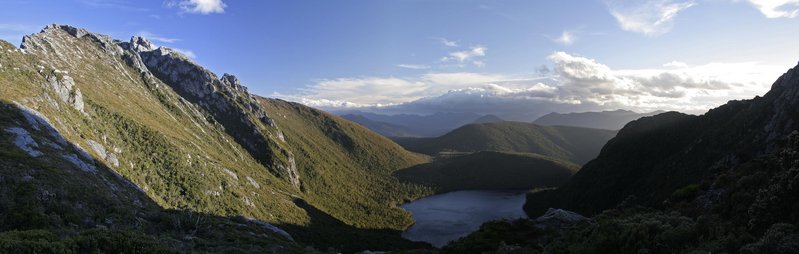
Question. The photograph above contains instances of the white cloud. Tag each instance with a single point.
(471, 55)
(325, 103)
(777, 8)
(651, 18)
(448, 43)
(414, 66)
(575, 83)
(465, 55)
(199, 6)
(366, 90)
(186, 52)
(566, 38)
(155, 37)
(685, 88)
(675, 64)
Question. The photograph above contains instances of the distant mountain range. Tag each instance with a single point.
(409, 125)
(609, 120)
(383, 128)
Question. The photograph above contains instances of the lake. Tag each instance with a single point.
(449, 216)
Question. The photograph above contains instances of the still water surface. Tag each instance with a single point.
(449, 216)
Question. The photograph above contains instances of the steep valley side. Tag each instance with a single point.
(195, 142)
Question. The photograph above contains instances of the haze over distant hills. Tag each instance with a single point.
(488, 119)
(609, 120)
(383, 128)
(410, 125)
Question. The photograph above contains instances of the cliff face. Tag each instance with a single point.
(652, 157)
(191, 140)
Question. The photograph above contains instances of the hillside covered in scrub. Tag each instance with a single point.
(150, 130)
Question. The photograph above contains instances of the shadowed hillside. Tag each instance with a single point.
(491, 170)
(609, 120)
(574, 144)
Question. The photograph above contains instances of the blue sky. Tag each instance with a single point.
(518, 59)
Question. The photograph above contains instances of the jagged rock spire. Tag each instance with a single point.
(141, 44)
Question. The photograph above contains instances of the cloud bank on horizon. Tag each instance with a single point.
(575, 83)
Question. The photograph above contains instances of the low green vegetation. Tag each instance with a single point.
(49, 205)
(346, 170)
(490, 170)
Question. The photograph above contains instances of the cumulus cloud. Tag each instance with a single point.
(777, 8)
(679, 87)
(651, 18)
(199, 6)
(573, 83)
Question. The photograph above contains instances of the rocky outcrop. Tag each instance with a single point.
(558, 219)
(23, 140)
(224, 98)
(64, 88)
(43, 40)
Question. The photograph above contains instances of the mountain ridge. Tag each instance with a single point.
(185, 137)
